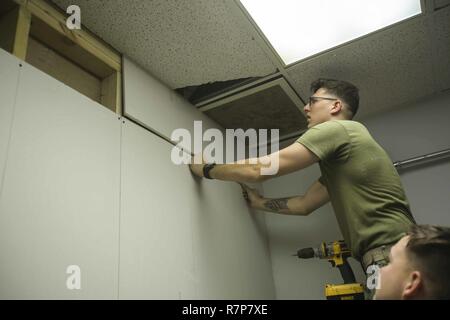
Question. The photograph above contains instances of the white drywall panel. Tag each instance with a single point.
(232, 257)
(151, 103)
(60, 199)
(185, 238)
(9, 76)
(156, 260)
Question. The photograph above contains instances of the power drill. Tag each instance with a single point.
(336, 253)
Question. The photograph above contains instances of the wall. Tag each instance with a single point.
(59, 197)
(150, 103)
(295, 278)
(181, 237)
(81, 186)
(9, 77)
(414, 130)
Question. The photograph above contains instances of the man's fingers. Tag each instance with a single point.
(244, 193)
(244, 187)
(245, 190)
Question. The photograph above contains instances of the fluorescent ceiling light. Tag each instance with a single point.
(298, 29)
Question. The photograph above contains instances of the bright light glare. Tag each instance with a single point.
(298, 29)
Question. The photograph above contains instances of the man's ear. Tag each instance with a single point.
(337, 106)
(413, 287)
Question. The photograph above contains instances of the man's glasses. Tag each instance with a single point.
(313, 100)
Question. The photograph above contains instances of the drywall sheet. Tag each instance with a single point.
(185, 238)
(9, 76)
(60, 200)
(154, 105)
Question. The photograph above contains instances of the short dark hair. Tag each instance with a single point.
(342, 89)
(429, 250)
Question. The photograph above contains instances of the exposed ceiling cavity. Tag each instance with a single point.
(255, 109)
(198, 94)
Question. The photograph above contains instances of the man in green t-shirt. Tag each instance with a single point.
(358, 177)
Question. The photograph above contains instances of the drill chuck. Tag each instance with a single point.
(306, 253)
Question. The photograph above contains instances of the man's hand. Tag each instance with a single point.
(252, 196)
(197, 165)
(197, 169)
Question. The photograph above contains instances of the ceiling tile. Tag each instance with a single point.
(183, 43)
(391, 67)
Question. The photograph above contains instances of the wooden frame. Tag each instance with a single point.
(22, 30)
(46, 23)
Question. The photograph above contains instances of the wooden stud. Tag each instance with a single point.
(22, 31)
(119, 93)
(108, 92)
(111, 95)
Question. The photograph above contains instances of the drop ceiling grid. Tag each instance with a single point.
(390, 67)
(239, 10)
(183, 43)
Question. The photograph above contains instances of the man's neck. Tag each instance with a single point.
(339, 117)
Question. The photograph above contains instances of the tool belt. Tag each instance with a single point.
(378, 255)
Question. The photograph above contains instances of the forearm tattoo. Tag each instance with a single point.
(276, 204)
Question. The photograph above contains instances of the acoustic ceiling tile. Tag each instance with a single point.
(182, 43)
(391, 67)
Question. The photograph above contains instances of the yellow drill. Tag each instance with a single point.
(336, 253)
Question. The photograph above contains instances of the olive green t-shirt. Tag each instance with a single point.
(364, 187)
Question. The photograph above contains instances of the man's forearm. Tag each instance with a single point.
(243, 173)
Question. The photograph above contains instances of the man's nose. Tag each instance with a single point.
(306, 108)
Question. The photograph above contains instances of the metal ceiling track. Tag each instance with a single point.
(423, 159)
